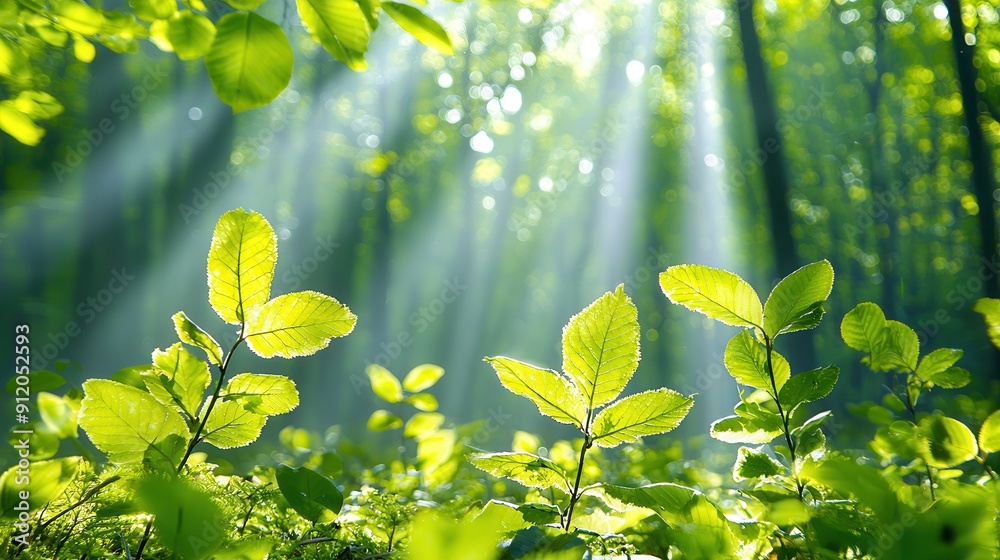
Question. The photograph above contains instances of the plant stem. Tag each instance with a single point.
(575, 496)
(769, 346)
(145, 539)
(211, 403)
(913, 414)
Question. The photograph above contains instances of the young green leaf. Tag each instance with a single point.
(746, 360)
(190, 34)
(250, 61)
(340, 26)
(384, 384)
(719, 294)
(808, 386)
(937, 361)
(58, 415)
(230, 425)
(643, 414)
(554, 395)
(525, 468)
(179, 379)
(242, 257)
(192, 334)
(796, 297)
(423, 401)
(263, 394)
(752, 464)
(952, 378)
(864, 328)
(422, 424)
(601, 347)
(989, 433)
(153, 9)
(297, 324)
(314, 496)
(951, 442)
(123, 421)
(423, 28)
(900, 348)
(990, 310)
(422, 377)
(737, 429)
(382, 420)
(44, 482)
(434, 449)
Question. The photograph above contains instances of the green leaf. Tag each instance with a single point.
(58, 414)
(741, 429)
(230, 425)
(952, 378)
(601, 347)
(313, 495)
(423, 28)
(746, 360)
(123, 421)
(384, 384)
(192, 334)
(812, 423)
(165, 456)
(250, 62)
(190, 34)
(643, 414)
(422, 424)
(44, 481)
(808, 386)
(719, 294)
(132, 376)
(153, 9)
(990, 310)
(951, 442)
(20, 126)
(864, 328)
(937, 361)
(263, 394)
(527, 469)
(78, 17)
(382, 420)
(178, 380)
(298, 324)
(423, 401)
(248, 5)
(187, 521)
(853, 480)
(435, 449)
(241, 259)
(38, 380)
(899, 350)
(753, 464)
(796, 297)
(340, 26)
(989, 433)
(554, 395)
(422, 377)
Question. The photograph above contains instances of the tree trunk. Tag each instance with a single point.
(771, 149)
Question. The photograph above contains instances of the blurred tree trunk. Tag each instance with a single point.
(979, 152)
(770, 147)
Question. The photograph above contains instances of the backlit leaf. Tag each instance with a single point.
(250, 62)
(297, 324)
(553, 394)
(644, 414)
(796, 295)
(241, 260)
(719, 294)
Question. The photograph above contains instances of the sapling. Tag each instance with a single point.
(600, 355)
